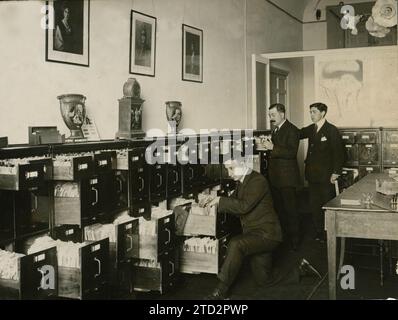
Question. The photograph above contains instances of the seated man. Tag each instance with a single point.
(261, 234)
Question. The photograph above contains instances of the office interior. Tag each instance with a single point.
(252, 53)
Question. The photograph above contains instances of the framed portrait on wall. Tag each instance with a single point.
(68, 32)
(142, 44)
(192, 54)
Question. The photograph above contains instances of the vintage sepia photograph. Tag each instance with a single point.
(142, 44)
(192, 54)
(68, 40)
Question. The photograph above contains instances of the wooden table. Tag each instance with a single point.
(357, 221)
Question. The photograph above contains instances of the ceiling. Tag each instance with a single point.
(294, 7)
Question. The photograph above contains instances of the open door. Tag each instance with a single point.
(260, 92)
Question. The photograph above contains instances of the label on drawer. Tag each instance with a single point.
(141, 210)
(82, 166)
(365, 137)
(167, 220)
(40, 257)
(128, 226)
(93, 181)
(136, 158)
(31, 174)
(95, 247)
(369, 169)
(392, 171)
(369, 145)
(69, 232)
(394, 145)
(348, 145)
(346, 137)
(102, 162)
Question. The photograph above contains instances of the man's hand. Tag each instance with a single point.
(333, 178)
(214, 202)
(204, 200)
(268, 144)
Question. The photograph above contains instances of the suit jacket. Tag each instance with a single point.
(283, 169)
(252, 203)
(325, 154)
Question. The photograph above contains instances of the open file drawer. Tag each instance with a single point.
(36, 279)
(71, 168)
(90, 278)
(21, 176)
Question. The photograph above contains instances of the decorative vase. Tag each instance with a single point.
(73, 111)
(174, 114)
(131, 89)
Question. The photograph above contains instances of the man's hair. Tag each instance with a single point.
(279, 106)
(320, 106)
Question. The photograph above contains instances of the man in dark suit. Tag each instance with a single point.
(283, 171)
(325, 158)
(261, 231)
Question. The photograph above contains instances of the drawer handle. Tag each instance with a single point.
(131, 242)
(172, 268)
(168, 236)
(175, 177)
(99, 268)
(192, 173)
(120, 185)
(42, 279)
(160, 180)
(96, 196)
(142, 184)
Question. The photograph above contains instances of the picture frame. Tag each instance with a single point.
(142, 44)
(68, 37)
(192, 54)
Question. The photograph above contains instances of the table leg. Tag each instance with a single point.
(330, 217)
(342, 254)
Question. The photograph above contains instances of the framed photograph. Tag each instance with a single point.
(67, 40)
(142, 44)
(192, 54)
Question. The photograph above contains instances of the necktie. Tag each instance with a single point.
(315, 129)
(276, 130)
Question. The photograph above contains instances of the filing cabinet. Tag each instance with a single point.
(160, 239)
(349, 137)
(351, 151)
(73, 167)
(365, 170)
(90, 279)
(14, 176)
(157, 276)
(368, 136)
(86, 204)
(369, 154)
(158, 182)
(30, 273)
(173, 180)
(138, 176)
(204, 261)
(119, 190)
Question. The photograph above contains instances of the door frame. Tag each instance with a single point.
(264, 60)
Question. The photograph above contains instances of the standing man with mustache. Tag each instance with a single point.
(283, 172)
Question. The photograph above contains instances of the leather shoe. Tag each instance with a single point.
(307, 270)
(217, 294)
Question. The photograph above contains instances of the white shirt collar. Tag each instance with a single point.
(281, 124)
(320, 123)
(245, 173)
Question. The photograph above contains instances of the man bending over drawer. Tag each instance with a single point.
(261, 232)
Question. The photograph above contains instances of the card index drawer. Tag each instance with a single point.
(103, 161)
(348, 136)
(390, 153)
(369, 154)
(367, 137)
(22, 176)
(390, 136)
(74, 168)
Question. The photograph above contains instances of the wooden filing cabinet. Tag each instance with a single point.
(152, 246)
(90, 279)
(204, 262)
(87, 206)
(76, 168)
(365, 170)
(32, 269)
(351, 151)
(159, 276)
(27, 176)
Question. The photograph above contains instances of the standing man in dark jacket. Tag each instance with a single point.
(325, 158)
(261, 231)
(283, 172)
